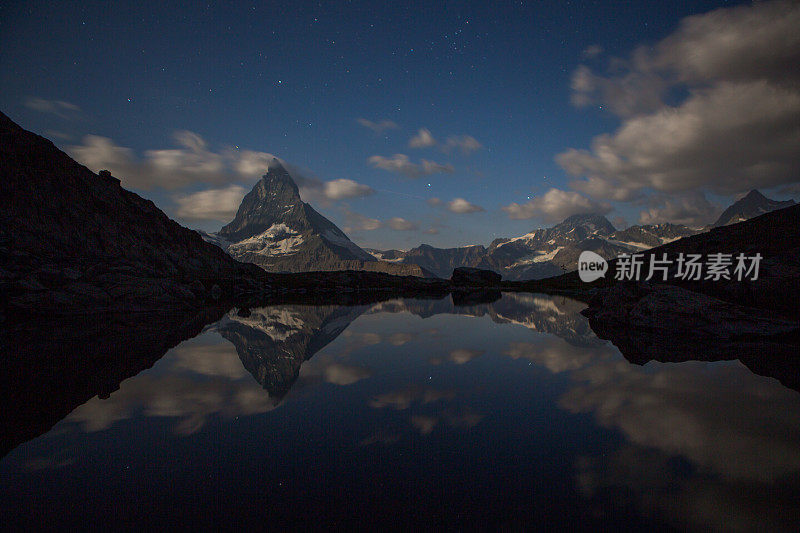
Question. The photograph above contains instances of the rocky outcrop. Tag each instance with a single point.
(672, 324)
(466, 276)
(70, 238)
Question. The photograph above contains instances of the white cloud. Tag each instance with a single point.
(401, 224)
(606, 188)
(60, 108)
(377, 127)
(466, 144)
(358, 222)
(341, 374)
(192, 163)
(738, 127)
(211, 204)
(344, 188)
(401, 164)
(555, 206)
(729, 138)
(461, 206)
(463, 355)
(423, 139)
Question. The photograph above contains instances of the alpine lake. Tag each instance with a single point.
(407, 413)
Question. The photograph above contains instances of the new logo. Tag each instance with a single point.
(591, 266)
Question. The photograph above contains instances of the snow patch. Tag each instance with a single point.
(278, 239)
(539, 256)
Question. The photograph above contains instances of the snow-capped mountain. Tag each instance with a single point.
(750, 206)
(274, 229)
(543, 252)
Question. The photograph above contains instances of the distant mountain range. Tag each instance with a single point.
(544, 252)
(552, 251)
(277, 231)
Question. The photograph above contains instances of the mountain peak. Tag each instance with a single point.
(751, 205)
(274, 199)
(278, 180)
(589, 222)
(754, 194)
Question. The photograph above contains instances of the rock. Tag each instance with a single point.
(681, 311)
(474, 276)
(672, 324)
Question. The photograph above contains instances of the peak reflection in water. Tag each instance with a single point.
(409, 412)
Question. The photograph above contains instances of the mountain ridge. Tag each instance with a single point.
(72, 238)
(546, 252)
(749, 206)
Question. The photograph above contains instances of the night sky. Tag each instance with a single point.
(448, 125)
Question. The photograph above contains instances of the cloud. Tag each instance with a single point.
(344, 188)
(555, 206)
(358, 222)
(423, 139)
(736, 128)
(401, 224)
(685, 410)
(341, 374)
(606, 188)
(729, 138)
(461, 206)
(466, 144)
(400, 164)
(628, 95)
(424, 423)
(195, 163)
(434, 202)
(402, 399)
(460, 356)
(215, 360)
(377, 127)
(60, 108)
(190, 164)
(689, 209)
(226, 390)
(211, 204)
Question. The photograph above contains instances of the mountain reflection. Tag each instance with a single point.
(273, 342)
(511, 384)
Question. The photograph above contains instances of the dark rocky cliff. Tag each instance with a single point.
(70, 237)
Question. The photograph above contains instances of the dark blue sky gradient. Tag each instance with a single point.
(291, 78)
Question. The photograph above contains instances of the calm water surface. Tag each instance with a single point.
(416, 413)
